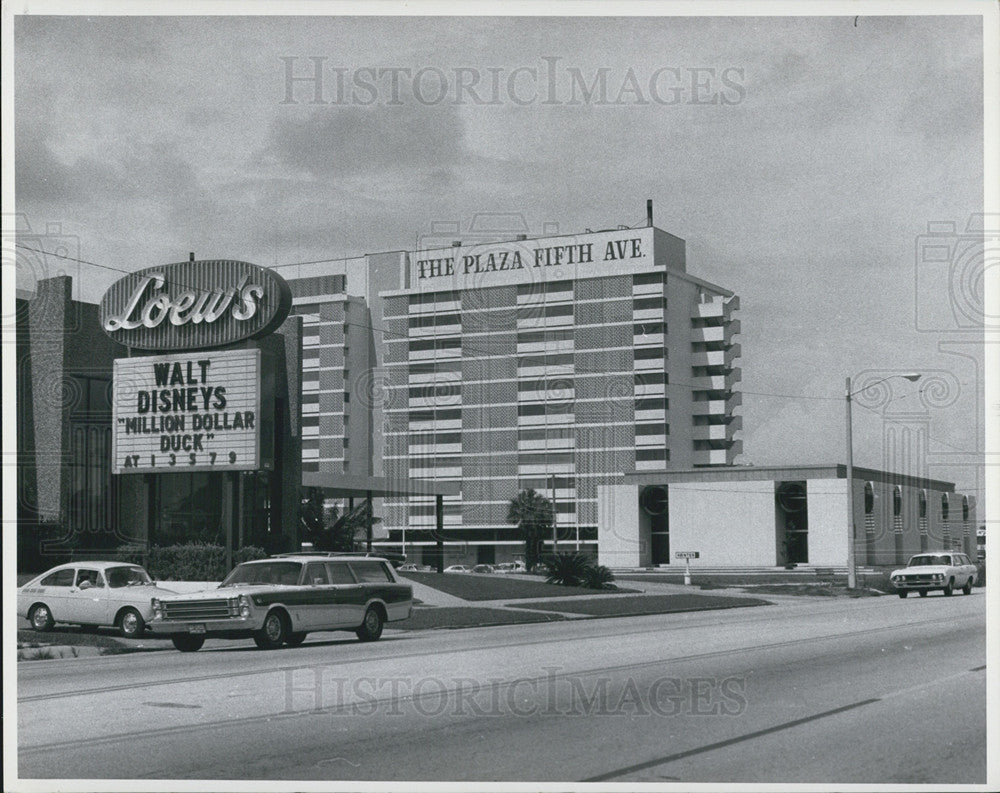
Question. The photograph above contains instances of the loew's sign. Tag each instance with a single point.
(194, 305)
(181, 412)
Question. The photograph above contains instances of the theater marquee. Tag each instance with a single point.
(187, 412)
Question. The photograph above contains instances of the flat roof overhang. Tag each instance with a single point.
(737, 473)
(352, 486)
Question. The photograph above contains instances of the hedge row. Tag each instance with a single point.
(193, 561)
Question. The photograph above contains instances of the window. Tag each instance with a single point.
(347, 397)
(347, 443)
(644, 303)
(93, 576)
(371, 572)
(339, 573)
(58, 578)
(651, 403)
(869, 498)
(316, 574)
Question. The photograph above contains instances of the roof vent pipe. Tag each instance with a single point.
(649, 211)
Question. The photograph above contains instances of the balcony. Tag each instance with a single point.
(717, 333)
(706, 457)
(712, 432)
(717, 407)
(717, 307)
(723, 358)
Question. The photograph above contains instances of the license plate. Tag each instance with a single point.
(196, 628)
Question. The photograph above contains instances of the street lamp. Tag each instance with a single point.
(852, 575)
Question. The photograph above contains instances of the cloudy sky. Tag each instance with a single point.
(801, 158)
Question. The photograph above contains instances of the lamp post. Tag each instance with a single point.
(852, 574)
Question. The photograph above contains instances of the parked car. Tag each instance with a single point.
(281, 600)
(90, 593)
(409, 567)
(483, 568)
(509, 567)
(457, 568)
(944, 570)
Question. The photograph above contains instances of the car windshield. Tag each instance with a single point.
(127, 576)
(278, 573)
(922, 561)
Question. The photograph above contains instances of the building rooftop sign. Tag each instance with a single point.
(620, 251)
(194, 305)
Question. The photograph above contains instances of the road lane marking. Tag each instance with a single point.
(631, 769)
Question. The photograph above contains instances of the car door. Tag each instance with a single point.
(88, 605)
(348, 601)
(316, 596)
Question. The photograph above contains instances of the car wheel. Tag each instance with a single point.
(967, 589)
(41, 618)
(371, 627)
(272, 633)
(187, 643)
(295, 639)
(923, 593)
(903, 593)
(950, 589)
(131, 624)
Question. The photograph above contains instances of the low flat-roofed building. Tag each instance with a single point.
(776, 516)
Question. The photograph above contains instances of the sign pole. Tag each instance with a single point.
(687, 556)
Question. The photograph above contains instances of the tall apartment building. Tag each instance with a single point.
(336, 354)
(558, 363)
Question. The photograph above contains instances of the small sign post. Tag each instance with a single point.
(687, 556)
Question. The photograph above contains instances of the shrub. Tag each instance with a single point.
(193, 561)
(567, 569)
(598, 577)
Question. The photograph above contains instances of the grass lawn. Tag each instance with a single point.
(645, 604)
(468, 617)
(470, 586)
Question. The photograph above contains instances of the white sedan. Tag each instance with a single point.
(944, 570)
(90, 593)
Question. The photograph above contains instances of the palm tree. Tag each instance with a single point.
(532, 513)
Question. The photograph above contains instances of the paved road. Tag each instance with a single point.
(868, 691)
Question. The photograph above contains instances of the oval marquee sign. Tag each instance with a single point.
(194, 305)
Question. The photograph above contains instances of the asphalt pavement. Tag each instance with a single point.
(812, 690)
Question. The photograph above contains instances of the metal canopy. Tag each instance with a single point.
(350, 486)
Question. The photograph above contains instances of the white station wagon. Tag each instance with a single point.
(944, 570)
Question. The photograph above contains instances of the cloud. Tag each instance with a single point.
(351, 140)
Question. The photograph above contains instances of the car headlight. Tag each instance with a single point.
(244, 603)
(157, 609)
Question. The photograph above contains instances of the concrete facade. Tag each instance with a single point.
(770, 517)
(557, 364)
